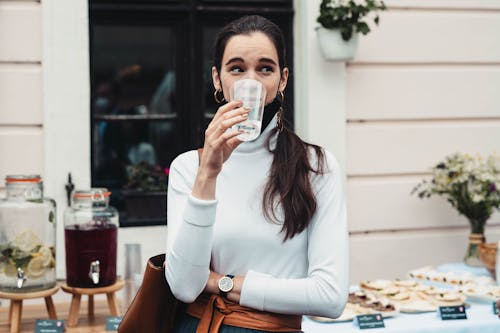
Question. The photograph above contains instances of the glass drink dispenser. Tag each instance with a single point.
(27, 236)
(90, 229)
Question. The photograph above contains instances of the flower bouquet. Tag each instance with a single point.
(147, 177)
(472, 186)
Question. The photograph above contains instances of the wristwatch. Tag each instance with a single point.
(225, 284)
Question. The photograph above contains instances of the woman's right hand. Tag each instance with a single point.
(219, 144)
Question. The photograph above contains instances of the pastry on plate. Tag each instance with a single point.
(403, 296)
(376, 284)
(405, 283)
(391, 291)
(449, 297)
(421, 287)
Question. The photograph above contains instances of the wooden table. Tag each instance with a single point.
(31, 312)
(109, 291)
(16, 305)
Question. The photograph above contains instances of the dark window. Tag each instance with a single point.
(152, 93)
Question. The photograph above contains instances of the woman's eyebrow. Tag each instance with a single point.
(236, 59)
(268, 60)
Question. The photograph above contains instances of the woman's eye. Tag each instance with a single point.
(267, 69)
(236, 69)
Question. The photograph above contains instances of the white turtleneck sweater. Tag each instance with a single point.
(305, 275)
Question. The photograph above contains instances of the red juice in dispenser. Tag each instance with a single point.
(90, 231)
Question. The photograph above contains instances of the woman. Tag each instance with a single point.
(257, 230)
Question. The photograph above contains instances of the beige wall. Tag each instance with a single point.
(424, 84)
(21, 130)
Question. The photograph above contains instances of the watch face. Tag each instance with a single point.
(225, 284)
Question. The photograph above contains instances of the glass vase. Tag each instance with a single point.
(476, 237)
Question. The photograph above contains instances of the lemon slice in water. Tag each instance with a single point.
(26, 241)
(46, 255)
(35, 268)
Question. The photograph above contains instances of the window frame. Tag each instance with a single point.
(190, 18)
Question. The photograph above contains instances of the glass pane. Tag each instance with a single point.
(134, 105)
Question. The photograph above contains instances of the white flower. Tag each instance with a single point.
(470, 183)
(477, 198)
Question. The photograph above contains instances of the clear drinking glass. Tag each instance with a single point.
(133, 271)
(253, 95)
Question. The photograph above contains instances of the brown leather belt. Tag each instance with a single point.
(214, 310)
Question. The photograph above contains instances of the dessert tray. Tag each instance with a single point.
(481, 294)
(425, 290)
(476, 288)
(411, 296)
(437, 277)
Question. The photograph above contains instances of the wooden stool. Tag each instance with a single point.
(16, 305)
(74, 310)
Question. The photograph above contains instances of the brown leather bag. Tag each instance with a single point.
(154, 308)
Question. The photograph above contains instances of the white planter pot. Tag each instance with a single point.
(333, 47)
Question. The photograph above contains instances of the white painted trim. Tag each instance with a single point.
(320, 87)
(444, 4)
(66, 105)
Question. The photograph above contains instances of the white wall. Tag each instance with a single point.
(320, 86)
(21, 117)
(423, 85)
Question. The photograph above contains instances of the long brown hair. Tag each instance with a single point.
(289, 184)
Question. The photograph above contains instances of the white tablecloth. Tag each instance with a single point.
(480, 319)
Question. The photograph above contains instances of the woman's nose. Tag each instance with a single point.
(251, 75)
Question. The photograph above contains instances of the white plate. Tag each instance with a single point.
(417, 307)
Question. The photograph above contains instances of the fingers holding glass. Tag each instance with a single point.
(225, 121)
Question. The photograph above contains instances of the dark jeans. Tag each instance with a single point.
(189, 324)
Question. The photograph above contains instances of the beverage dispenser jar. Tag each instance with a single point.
(90, 230)
(27, 236)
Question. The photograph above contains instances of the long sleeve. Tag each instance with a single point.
(190, 234)
(324, 291)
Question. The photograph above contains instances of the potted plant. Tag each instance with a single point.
(341, 21)
(472, 186)
(145, 194)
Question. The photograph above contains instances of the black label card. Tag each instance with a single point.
(112, 323)
(495, 308)
(49, 326)
(452, 312)
(370, 321)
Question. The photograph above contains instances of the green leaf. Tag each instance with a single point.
(348, 16)
(22, 262)
(51, 217)
(346, 33)
(363, 28)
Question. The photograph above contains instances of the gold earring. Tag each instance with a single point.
(279, 120)
(217, 98)
(282, 96)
